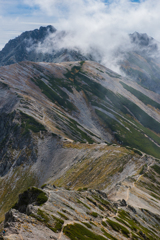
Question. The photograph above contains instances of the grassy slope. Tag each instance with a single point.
(150, 180)
(12, 185)
(96, 172)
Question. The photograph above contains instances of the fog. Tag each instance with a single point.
(98, 27)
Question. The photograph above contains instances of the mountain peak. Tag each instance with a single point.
(141, 39)
(16, 49)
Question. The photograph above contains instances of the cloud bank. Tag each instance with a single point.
(96, 26)
(118, 15)
(91, 25)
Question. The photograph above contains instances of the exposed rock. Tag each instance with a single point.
(78, 213)
(123, 203)
(31, 196)
(132, 209)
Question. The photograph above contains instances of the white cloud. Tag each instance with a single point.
(91, 23)
(122, 15)
(95, 24)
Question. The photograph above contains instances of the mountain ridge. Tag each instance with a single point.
(91, 138)
(139, 61)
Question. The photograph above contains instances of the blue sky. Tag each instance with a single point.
(17, 16)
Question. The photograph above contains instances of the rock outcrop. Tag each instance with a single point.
(84, 214)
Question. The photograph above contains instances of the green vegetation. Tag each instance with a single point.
(156, 168)
(3, 85)
(76, 79)
(33, 194)
(61, 97)
(118, 227)
(83, 136)
(143, 98)
(29, 122)
(56, 94)
(101, 208)
(125, 218)
(92, 201)
(79, 232)
(81, 82)
(44, 185)
(20, 179)
(94, 214)
(83, 204)
(113, 75)
(104, 224)
(131, 137)
(99, 70)
(105, 203)
(63, 216)
(44, 217)
(135, 226)
(57, 224)
(68, 206)
(122, 104)
(95, 174)
(108, 235)
(140, 115)
(52, 222)
(125, 223)
(137, 151)
(142, 169)
(128, 118)
(41, 196)
(149, 132)
(87, 225)
(81, 63)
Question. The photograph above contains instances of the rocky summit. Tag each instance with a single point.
(79, 148)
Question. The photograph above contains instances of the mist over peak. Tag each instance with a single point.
(136, 55)
(144, 42)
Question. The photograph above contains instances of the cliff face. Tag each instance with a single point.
(25, 48)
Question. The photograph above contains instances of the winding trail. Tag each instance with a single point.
(20, 233)
(134, 183)
(127, 194)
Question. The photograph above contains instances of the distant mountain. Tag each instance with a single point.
(16, 49)
(142, 62)
(143, 40)
(24, 47)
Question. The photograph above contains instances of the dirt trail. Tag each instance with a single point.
(127, 194)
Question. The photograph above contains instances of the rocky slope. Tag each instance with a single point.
(78, 125)
(86, 214)
(81, 101)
